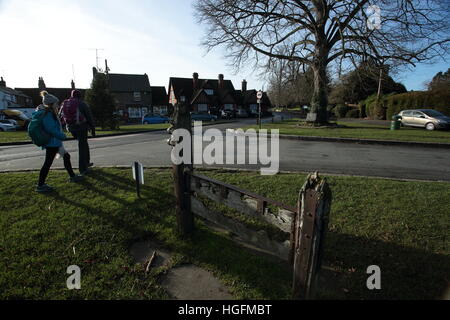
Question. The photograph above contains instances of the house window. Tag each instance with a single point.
(162, 110)
(228, 107)
(134, 112)
(254, 108)
(137, 96)
(202, 108)
(209, 92)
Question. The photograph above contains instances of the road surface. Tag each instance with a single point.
(151, 149)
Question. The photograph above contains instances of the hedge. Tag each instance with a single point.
(341, 110)
(437, 100)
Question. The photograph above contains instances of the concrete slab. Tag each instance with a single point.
(190, 282)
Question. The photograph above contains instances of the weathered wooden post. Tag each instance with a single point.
(185, 219)
(308, 233)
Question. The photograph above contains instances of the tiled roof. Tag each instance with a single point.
(12, 91)
(129, 82)
(159, 96)
(60, 93)
(187, 85)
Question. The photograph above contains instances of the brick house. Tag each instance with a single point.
(204, 95)
(35, 94)
(160, 100)
(132, 94)
(248, 100)
(10, 98)
(61, 93)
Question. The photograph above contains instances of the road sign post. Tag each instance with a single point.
(259, 95)
(138, 175)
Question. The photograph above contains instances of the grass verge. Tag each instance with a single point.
(400, 226)
(360, 131)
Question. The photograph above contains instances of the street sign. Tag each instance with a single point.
(259, 101)
(138, 176)
(259, 95)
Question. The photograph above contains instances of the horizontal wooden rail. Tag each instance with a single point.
(244, 202)
(259, 239)
(242, 191)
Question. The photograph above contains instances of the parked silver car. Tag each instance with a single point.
(6, 126)
(424, 118)
(11, 122)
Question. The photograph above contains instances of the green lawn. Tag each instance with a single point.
(400, 226)
(360, 131)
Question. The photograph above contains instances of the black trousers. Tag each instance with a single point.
(83, 148)
(50, 155)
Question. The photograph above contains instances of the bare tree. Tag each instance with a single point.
(318, 33)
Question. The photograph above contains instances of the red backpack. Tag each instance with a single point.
(70, 113)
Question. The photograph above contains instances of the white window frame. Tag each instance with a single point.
(137, 96)
(134, 112)
(202, 108)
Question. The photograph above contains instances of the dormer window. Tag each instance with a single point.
(209, 92)
(137, 96)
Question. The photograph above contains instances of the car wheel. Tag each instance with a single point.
(430, 126)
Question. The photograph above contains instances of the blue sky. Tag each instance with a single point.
(47, 37)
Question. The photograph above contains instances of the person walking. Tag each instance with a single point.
(77, 116)
(51, 125)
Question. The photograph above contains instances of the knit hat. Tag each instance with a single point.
(76, 94)
(48, 99)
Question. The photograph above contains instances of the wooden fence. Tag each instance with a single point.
(304, 225)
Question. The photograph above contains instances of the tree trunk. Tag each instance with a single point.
(319, 100)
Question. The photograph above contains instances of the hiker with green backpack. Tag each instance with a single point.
(46, 132)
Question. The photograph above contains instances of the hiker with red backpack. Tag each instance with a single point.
(77, 116)
(45, 131)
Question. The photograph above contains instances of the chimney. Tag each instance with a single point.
(2, 83)
(244, 85)
(195, 80)
(72, 85)
(221, 81)
(106, 67)
(41, 84)
(94, 71)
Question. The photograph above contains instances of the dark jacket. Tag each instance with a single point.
(89, 123)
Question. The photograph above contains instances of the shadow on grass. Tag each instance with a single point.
(137, 208)
(406, 273)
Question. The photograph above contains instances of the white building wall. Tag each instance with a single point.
(3, 103)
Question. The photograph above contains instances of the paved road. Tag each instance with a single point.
(339, 158)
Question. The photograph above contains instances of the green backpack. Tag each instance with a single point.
(36, 130)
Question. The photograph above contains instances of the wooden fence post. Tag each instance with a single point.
(185, 218)
(308, 233)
